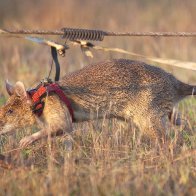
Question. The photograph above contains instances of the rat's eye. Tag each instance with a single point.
(10, 111)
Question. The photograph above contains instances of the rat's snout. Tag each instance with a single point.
(5, 127)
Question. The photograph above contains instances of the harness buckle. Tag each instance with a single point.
(38, 107)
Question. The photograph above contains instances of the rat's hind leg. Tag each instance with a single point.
(160, 128)
(155, 127)
(175, 118)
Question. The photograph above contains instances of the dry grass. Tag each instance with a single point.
(108, 157)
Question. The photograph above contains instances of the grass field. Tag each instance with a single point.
(108, 157)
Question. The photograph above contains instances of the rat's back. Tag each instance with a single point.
(117, 78)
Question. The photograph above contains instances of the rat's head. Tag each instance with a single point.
(17, 111)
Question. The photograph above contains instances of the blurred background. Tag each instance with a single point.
(29, 62)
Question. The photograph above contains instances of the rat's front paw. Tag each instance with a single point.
(26, 141)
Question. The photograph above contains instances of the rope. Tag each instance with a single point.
(153, 34)
(34, 32)
(86, 46)
(104, 33)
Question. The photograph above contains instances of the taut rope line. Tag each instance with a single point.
(98, 35)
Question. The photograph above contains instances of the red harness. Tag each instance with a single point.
(38, 94)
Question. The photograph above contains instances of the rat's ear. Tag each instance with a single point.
(20, 90)
(9, 88)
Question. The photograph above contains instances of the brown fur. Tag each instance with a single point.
(118, 88)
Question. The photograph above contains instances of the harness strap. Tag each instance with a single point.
(39, 93)
(55, 88)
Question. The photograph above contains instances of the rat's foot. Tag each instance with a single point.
(26, 141)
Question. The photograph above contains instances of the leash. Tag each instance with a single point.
(57, 65)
